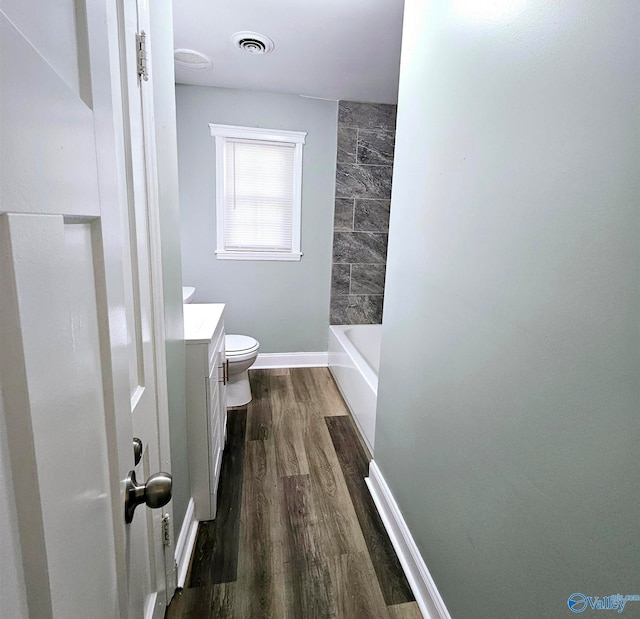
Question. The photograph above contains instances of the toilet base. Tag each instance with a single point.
(238, 389)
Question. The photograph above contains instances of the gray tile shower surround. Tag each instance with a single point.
(366, 139)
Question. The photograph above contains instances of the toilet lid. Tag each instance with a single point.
(239, 344)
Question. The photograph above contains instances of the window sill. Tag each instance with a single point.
(257, 255)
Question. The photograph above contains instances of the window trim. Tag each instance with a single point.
(221, 133)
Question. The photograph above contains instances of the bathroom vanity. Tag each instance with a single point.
(207, 375)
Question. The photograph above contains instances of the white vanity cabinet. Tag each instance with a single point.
(206, 402)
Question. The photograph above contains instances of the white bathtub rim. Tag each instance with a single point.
(367, 341)
(368, 373)
(356, 381)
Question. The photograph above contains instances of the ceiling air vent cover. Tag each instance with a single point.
(253, 43)
(191, 59)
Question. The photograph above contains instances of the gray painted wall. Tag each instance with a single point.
(509, 397)
(366, 137)
(285, 305)
(165, 124)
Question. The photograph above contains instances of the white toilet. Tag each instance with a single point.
(241, 353)
(188, 292)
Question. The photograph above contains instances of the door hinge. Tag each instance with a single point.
(141, 51)
(166, 530)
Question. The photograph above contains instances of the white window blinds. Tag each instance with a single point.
(258, 193)
(258, 196)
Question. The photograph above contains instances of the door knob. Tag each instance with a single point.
(155, 493)
(137, 451)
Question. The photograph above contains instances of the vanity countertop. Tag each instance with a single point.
(201, 320)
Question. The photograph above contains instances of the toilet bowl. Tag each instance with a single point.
(241, 352)
(188, 292)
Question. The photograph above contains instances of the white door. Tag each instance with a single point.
(147, 578)
(80, 349)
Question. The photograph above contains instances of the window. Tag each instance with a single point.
(258, 193)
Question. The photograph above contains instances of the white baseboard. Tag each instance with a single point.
(422, 584)
(269, 360)
(186, 540)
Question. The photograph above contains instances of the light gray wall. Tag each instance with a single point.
(165, 125)
(285, 305)
(508, 425)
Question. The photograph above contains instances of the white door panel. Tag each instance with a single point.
(53, 389)
(12, 589)
(52, 263)
(42, 27)
(79, 346)
(49, 130)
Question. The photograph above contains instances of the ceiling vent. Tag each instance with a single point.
(253, 43)
(191, 59)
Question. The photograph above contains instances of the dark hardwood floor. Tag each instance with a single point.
(297, 534)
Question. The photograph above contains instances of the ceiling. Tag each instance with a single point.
(331, 49)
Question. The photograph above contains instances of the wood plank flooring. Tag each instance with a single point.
(215, 554)
(297, 535)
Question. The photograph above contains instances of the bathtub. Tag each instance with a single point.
(354, 359)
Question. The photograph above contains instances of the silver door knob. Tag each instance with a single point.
(155, 493)
(137, 451)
